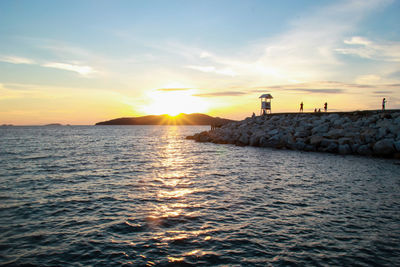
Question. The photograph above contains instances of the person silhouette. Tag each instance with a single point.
(301, 107)
(326, 106)
(383, 103)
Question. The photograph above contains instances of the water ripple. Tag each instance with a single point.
(144, 196)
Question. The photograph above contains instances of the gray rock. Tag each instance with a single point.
(274, 141)
(345, 140)
(300, 145)
(384, 147)
(334, 133)
(364, 150)
(273, 132)
(244, 139)
(382, 132)
(320, 129)
(338, 122)
(332, 148)
(397, 146)
(316, 140)
(354, 147)
(344, 149)
(327, 142)
(302, 134)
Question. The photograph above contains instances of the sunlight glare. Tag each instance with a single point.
(175, 102)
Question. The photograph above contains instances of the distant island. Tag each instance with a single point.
(181, 119)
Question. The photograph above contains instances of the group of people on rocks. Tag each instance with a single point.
(315, 110)
(326, 106)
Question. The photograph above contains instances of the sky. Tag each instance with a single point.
(81, 62)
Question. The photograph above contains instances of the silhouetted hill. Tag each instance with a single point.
(181, 119)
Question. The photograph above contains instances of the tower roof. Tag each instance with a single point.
(267, 96)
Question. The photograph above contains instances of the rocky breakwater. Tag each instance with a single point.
(370, 133)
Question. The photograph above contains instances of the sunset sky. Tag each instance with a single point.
(80, 62)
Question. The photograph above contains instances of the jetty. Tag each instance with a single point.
(367, 133)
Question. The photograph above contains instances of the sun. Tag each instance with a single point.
(175, 101)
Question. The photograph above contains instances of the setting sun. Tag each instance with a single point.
(173, 101)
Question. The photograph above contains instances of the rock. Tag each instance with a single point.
(344, 149)
(345, 140)
(300, 145)
(364, 150)
(397, 146)
(244, 139)
(327, 142)
(338, 122)
(354, 147)
(273, 132)
(384, 147)
(302, 133)
(316, 140)
(382, 132)
(320, 129)
(332, 148)
(364, 133)
(334, 133)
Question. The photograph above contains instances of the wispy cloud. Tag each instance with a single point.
(219, 94)
(364, 48)
(383, 92)
(212, 69)
(81, 69)
(311, 49)
(173, 89)
(16, 60)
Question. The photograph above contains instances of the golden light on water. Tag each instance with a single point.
(172, 186)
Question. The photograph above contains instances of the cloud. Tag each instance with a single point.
(212, 69)
(357, 40)
(82, 70)
(383, 92)
(318, 91)
(364, 48)
(311, 49)
(16, 60)
(218, 94)
(78, 68)
(173, 89)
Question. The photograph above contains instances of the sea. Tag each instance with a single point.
(146, 196)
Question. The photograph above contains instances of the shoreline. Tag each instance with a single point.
(366, 133)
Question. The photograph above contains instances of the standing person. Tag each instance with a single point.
(326, 106)
(383, 103)
(301, 106)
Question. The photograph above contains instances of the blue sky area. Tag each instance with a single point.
(131, 48)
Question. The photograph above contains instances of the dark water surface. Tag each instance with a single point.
(143, 195)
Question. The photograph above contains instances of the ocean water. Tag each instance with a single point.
(143, 195)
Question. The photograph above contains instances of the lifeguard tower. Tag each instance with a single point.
(265, 104)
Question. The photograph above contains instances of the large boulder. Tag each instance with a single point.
(384, 147)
